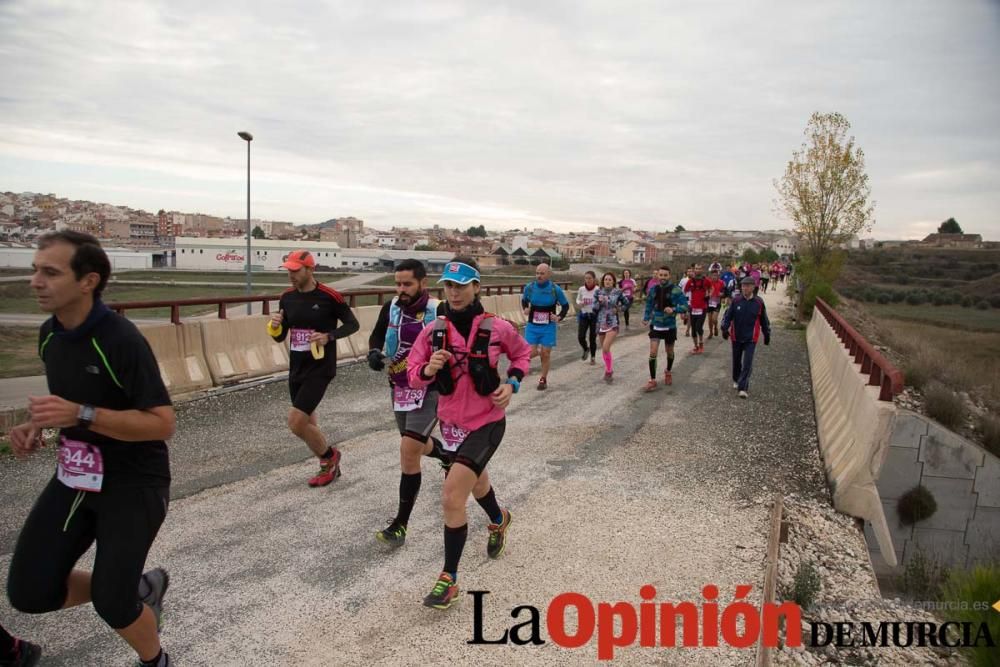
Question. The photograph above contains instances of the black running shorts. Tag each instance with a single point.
(668, 335)
(418, 424)
(62, 526)
(307, 393)
(480, 446)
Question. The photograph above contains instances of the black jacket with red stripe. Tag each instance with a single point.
(746, 319)
(322, 310)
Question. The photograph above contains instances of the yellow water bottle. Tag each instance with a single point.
(318, 351)
(273, 329)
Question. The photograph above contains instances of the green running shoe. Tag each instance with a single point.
(498, 536)
(393, 535)
(444, 593)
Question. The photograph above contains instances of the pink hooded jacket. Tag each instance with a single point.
(465, 408)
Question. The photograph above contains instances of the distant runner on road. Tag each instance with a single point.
(586, 317)
(745, 320)
(307, 316)
(399, 323)
(539, 302)
(663, 303)
(628, 287)
(697, 292)
(460, 351)
(611, 302)
(716, 290)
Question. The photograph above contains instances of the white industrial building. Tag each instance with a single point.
(229, 254)
(21, 257)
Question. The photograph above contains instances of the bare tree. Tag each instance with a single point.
(825, 189)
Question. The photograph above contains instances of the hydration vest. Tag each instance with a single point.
(396, 317)
(485, 377)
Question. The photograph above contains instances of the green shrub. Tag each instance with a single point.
(898, 296)
(944, 405)
(975, 586)
(806, 584)
(982, 304)
(903, 279)
(995, 300)
(884, 297)
(923, 576)
(967, 302)
(916, 297)
(989, 429)
(822, 290)
(916, 505)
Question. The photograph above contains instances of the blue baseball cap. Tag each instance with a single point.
(460, 273)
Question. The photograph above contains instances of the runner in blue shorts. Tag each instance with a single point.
(539, 301)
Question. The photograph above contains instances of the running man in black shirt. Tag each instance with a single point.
(307, 316)
(112, 482)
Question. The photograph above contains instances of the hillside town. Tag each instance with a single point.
(172, 235)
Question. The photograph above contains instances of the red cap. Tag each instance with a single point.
(297, 259)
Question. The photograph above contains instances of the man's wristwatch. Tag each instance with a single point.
(515, 383)
(86, 416)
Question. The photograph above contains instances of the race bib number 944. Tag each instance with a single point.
(81, 465)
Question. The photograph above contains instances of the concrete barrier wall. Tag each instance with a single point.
(180, 354)
(854, 429)
(965, 482)
(240, 349)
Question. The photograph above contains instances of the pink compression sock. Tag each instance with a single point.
(607, 361)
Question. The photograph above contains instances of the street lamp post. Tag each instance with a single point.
(247, 137)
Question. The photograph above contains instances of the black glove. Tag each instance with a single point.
(767, 339)
(376, 360)
(725, 334)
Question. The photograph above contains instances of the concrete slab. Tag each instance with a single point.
(947, 454)
(909, 427)
(900, 472)
(955, 503)
(983, 535)
(947, 546)
(988, 482)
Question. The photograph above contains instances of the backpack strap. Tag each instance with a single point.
(480, 348)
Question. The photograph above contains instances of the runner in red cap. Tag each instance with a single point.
(308, 316)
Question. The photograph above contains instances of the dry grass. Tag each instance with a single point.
(989, 430)
(19, 353)
(944, 405)
(960, 360)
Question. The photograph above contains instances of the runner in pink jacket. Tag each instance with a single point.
(459, 353)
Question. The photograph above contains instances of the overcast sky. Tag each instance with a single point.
(563, 115)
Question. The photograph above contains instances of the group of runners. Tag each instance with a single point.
(441, 362)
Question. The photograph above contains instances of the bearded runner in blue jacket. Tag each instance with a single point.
(745, 320)
(539, 302)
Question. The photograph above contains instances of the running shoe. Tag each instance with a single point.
(26, 654)
(593, 361)
(668, 378)
(609, 377)
(543, 383)
(444, 593)
(743, 394)
(736, 385)
(164, 661)
(584, 356)
(650, 386)
(157, 580)
(393, 535)
(329, 470)
(498, 536)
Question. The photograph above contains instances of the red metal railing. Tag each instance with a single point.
(223, 302)
(881, 372)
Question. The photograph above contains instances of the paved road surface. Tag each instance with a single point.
(610, 489)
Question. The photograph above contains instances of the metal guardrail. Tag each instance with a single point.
(224, 302)
(881, 372)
